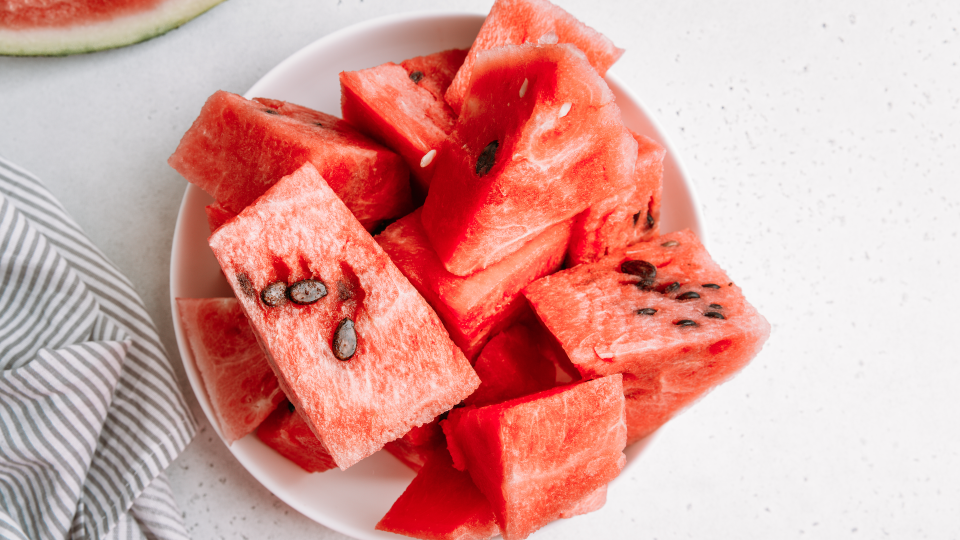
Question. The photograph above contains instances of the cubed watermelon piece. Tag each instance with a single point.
(402, 107)
(240, 385)
(288, 433)
(515, 22)
(237, 148)
(356, 348)
(663, 313)
(512, 365)
(539, 140)
(474, 307)
(441, 503)
(418, 444)
(631, 216)
(537, 457)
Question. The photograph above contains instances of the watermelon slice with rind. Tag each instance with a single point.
(515, 22)
(539, 140)
(473, 307)
(363, 363)
(44, 28)
(535, 458)
(674, 333)
(237, 148)
(241, 387)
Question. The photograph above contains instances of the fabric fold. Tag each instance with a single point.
(71, 325)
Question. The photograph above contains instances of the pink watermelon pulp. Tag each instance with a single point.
(662, 312)
(515, 22)
(237, 148)
(539, 140)
(473, 307)
(537, 457)
(236, 375)
(289, 434)
(356, 349)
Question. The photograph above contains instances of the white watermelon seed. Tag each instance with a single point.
(550, 38)
(523, 87)
(565, 108)
(428, 158)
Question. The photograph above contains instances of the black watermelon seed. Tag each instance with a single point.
(487, 158)
(318, 124)
(644, 270)
(714, 315)
(689, 295)
(716, 306)
(270, 111)
(416, 77)
(710, 286)
(636, 218)
(306, 291)
(646, 311)
(274, 294)
(671, 287)
(650, 221)
(291, 407)
(345, 340)
(244, 282)
(685, 322)
(670, 243)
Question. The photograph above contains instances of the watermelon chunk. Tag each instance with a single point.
(539, 140)
(217, 215)
(515, 22)
(237, 148)
(512, 365)
(289, 434)
(402, 107)
(591, 503)
(356, 348)
(441, 503)
(674, 333)
(537, 457)
(242, 388)
(631, 216)
(474, 307)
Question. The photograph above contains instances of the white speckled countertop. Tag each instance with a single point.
(822, 138)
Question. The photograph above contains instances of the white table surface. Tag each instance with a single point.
(822, 138)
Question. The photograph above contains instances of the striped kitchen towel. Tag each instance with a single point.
(90, 410)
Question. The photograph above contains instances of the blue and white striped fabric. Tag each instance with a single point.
(90, 410)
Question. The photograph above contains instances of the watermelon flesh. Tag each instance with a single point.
(240, 385)
(217, 215)
(289, 434)
(514, 165)
(674, 335)
(626, 218)
(402, 107)
(441, 503)
(537, 457)
(512, 365)
(591, 503)
(515, 22)
(417, 445)
(366, 361)
(473, 307)
(237, 148)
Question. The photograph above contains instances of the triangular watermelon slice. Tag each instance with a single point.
(515, 22)
(539, 140)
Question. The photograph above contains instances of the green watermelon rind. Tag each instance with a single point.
(118, 32)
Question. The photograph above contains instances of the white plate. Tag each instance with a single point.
(353, 501)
